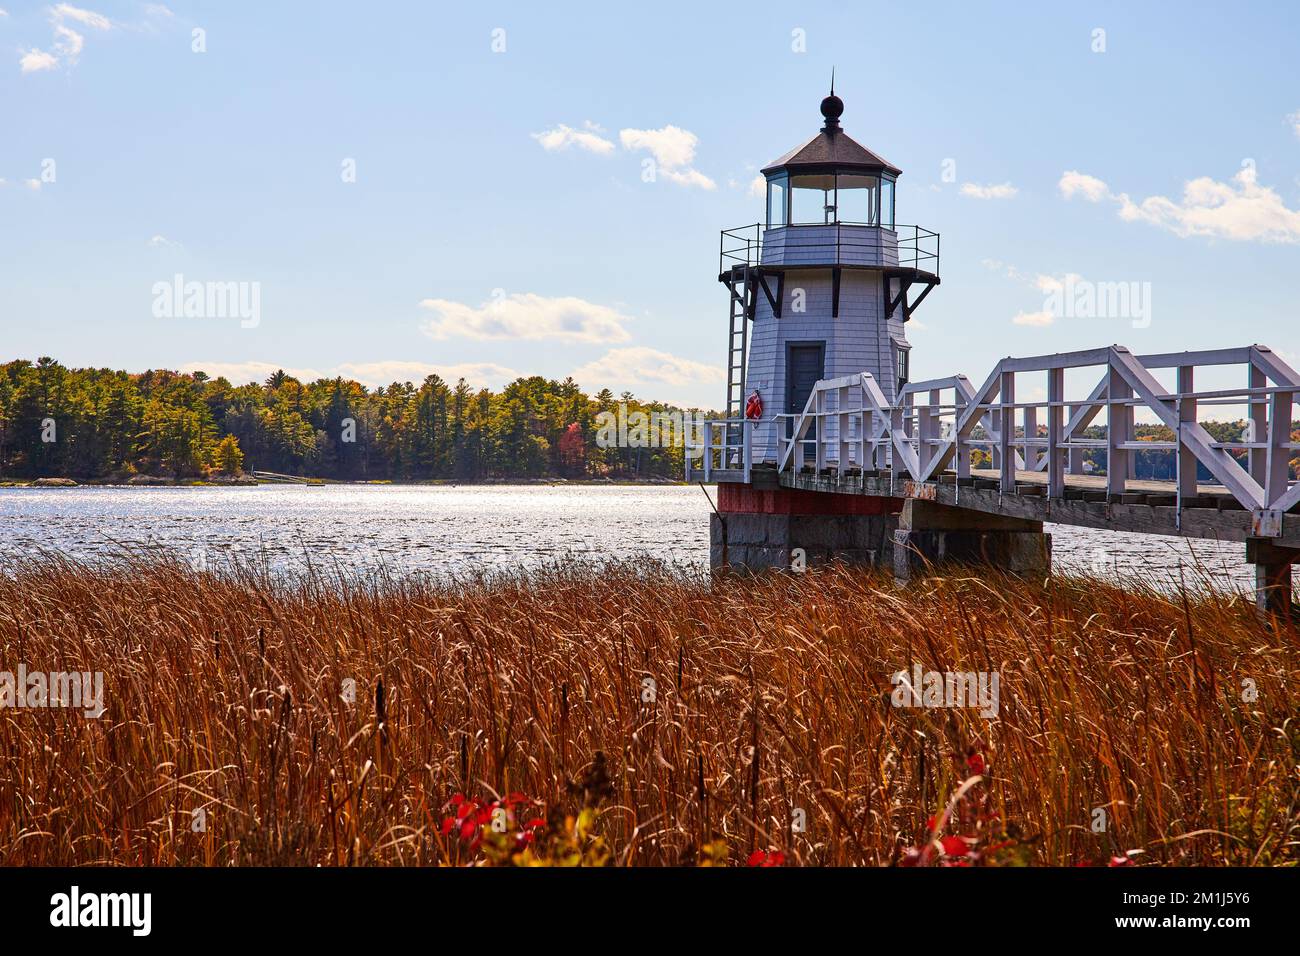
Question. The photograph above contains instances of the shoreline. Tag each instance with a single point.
(302, 481)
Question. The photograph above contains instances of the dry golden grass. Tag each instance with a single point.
(771, 695)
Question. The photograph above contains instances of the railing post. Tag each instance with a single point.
(1006, 433)
(842, 428)
(1031, 432)
(961, 457)
(708, 450)
(1118, 430)
(1055, 425)
(747, 452)
(1279, 456)
(819, 448)
(1186, 413)
(1257, 458)
(932, 448)
(1074, 456)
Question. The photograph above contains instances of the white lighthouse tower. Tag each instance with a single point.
(825, 285)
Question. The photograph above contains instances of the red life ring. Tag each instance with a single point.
(754, 406)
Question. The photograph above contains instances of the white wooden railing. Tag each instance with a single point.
(856, 426)
(725, 449)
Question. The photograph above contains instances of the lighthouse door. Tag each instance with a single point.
(805, 366)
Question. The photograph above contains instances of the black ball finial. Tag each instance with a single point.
(832, 109)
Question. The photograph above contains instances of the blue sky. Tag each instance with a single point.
(499, 222)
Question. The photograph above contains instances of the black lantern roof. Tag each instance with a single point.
(831, 148)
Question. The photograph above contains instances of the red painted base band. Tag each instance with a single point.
(745, 499)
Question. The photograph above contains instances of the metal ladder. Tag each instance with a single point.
(742, 303)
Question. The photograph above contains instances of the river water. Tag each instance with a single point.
(453, 529)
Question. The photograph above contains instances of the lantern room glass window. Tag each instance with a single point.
(777, 187)
(858, 200)
(812, 200)
(820, 199)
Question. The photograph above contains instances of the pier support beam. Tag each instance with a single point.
(930, 534)
(1273, 588)
(758, 529)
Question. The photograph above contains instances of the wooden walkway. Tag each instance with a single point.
(1148, 507)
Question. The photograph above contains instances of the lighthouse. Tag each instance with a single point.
(822, 287)
(825, 285)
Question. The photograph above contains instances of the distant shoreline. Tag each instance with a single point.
(44, 483)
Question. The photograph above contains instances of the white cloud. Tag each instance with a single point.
(87, 17)
(1090, 188)
(34, 61)
(758, 187)
(370, 374)
(162, 242)
(619, 369)
(1240, 210)
(477, 374)
(976, 191)
(1042, 282)
(157, 10)
(688, 177)
(67, 43)
(563, 137)
(33, 184)
(1010, 271)
(670, 146)
(527, 316)
(673, 149)
(1294, 120)
(1045, 283)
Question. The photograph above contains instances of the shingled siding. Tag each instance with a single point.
(857, 341)
(823, 245)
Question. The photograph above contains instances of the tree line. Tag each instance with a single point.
(100, 424)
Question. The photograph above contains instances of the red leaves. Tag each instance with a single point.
(956, 845)
(970, 813)
(766, 858)
(469, 817)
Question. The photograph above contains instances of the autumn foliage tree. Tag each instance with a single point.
(112, 424)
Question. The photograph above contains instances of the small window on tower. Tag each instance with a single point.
(887, 203)
(776, 201)
(902, 365)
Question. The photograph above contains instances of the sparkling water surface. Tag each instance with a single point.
(460, 528)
